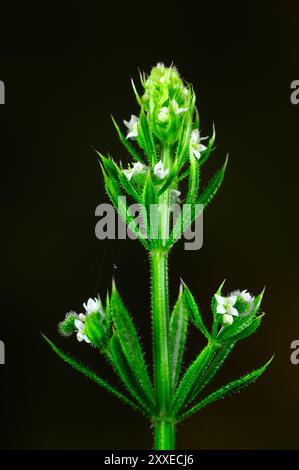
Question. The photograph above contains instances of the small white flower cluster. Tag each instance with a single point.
(91, 306)
(195, 146)
(225, 305)
(138, 168)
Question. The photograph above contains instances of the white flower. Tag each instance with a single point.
(92, 305)
(163, 114)
(175, 196)
(132, 126)
(225, 307)
(136, 169)
(176, 108)
(245, 296)
(160, 171)
(80, 326)
(195, 146)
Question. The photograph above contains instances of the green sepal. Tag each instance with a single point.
(127, 144)
(92, 376)
(178, 334)
(228, 389)
(131, 347)
(125, 373)
(194, 312)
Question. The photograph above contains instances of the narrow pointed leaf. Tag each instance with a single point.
(178, 333)
(130, 344)
(127, 144)
(206, 153)
(212, 369)
(149, 201)
(92, 375)
(228, 389)
(206, 197)
(194, 312)
(190, 378)
(124, 371)
(145, 138)
(193, 180)
(114, 192)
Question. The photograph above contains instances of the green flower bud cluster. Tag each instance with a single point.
(167, 101)
(91, 326)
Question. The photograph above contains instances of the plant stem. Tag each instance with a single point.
(160, 318)
(164, 434)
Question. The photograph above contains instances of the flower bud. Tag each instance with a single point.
(166, 100)
(67, 326)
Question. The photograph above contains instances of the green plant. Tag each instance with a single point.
(165, 144)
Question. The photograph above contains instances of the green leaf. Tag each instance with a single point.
(145, 138)
(206, 153)
(178, 333)
(190, 378)
(170, 178)
(193, 180)
(246, 332)
(128, 186)
(130, 344)
(228, 389)
(108, 316)
(212, 369)
(114, 192)
(124, 371)
(92, 375)
(149, 201)
(127, 144)
(194, 312)
(206, 197)
(139, 100)
(184, 141)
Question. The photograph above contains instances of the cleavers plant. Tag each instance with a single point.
(166, 146)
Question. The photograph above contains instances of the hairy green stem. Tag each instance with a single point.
(164, 427)
(164, 435)
(161, 329)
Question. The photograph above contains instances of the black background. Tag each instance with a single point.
(67, 68)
